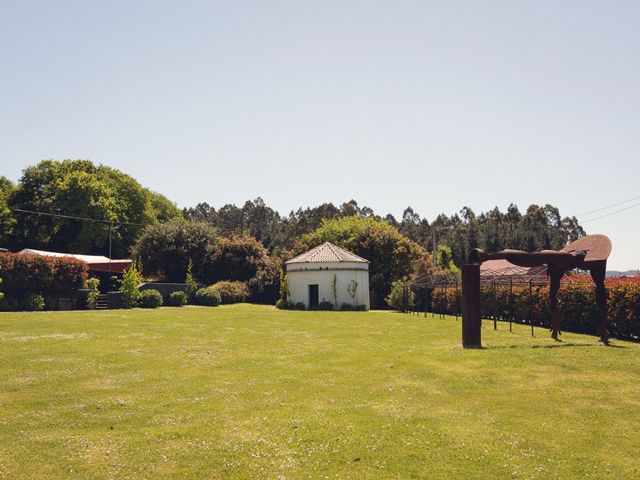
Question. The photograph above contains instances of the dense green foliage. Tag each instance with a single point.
(166, 250)
(576, 303)
(31, 302)
(538, 228)
(231, 243)
(131, 280)
(150, 299)
(251, 392)
(44, 275)
(237, 258)
(391, 255)
(401, 296)
(93, 284)
(177, 299)
(83, 189)
(207, 297)
(231, 291)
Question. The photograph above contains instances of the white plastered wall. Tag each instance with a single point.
(301, 275)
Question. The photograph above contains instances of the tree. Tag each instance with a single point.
(82, 189)
(391, 254)
(262, 222)
(6, 219)
(236, 258)
(162, 209)
(166, 249)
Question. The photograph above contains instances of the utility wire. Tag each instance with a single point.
(611, 213)
(71, 217)
(608, 206)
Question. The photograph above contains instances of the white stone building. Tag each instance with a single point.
(312, 276)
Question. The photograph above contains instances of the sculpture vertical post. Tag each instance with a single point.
(555, 276)
(598, 273)
(471, 321)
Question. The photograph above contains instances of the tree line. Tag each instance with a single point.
(83, 189)
(538, 228)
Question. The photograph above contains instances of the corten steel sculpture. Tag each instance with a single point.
(587, 253)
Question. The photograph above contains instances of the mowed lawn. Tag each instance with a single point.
(252, 392)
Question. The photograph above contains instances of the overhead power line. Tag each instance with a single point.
(608, 206)
(611, 213)
(71, 217)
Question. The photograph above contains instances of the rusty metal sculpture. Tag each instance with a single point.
(587, 253)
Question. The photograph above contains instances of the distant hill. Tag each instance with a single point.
(627, 273)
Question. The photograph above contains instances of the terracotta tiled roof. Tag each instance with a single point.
(327, 252)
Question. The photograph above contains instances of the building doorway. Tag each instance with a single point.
(313, 296)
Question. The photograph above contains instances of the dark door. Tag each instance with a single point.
(313, 296)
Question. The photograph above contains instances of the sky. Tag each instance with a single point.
(436, 105)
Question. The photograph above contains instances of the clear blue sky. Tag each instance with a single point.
(436, 105)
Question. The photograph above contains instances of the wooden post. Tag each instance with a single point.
(471, 321)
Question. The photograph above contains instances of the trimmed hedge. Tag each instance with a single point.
(177, 299)
(150, 299)
(576, 304)
(24, 273)
(232, 292)
(208, 297)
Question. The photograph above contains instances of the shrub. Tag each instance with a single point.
(325, 305)
(31, 302)
(24, 273)
(235, 258)
(129, 287)
(165, 249)
(92, 296)
(401, 296)
(150, 299)
(576, 304)
(208, 297)
(190, 282)
(347, 307)
(231, 292)
(9, 304)
(177, 299)
(283, 304)
(298, 306)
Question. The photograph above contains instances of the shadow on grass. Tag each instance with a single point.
(554, 345)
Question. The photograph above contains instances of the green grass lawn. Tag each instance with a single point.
(252, 392)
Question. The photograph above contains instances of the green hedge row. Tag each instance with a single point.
(44, 275)
(576, 303)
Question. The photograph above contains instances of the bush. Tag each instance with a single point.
(401, 296)
(25, 273)
(31, 302)
(150, 299)
(347, 307)
(284, 304)
(208, 297)
(177, 299)
(129, 287)
(576, 304)
(167, 249)
(231, 292)
(92, 296)
(324, 305)
(298, 306)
